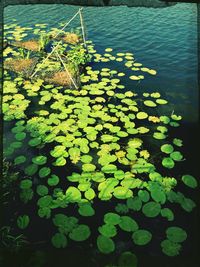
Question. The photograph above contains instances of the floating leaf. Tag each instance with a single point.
(167, 213)
(35, 141)
(121, 192)
(143, 195)
(150, 103)
(42, 190)
(189, 180)
(134, 203)
(169, 248)
(26, 184)
(59, 240)
(39, 160)
(80, 233)
(23, 221)
(159, 136)
(31, 169)
(53, 180)
(90, 194)
(141, 115)
(19, 160)
(176, 155)
(141, 237)
(105, 244)
(45, 171)
(128, 224)
(151, 209)
(108, 230)
(112, 218)
(73, 194)
(177, 142)
(127, 259)
(85, 209)
(176, 234)
(168, 163)
(166, 148)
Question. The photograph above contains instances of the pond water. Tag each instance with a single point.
(162, 39)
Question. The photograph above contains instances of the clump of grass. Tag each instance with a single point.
(22, 65)
(32, 45)
(60, 78)
(71, 38)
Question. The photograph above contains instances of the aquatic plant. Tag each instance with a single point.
(110, 143)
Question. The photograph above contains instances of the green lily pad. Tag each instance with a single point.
(151, 209)
(177, 142)
(176, 155)
(108, 230)
(150, 103)
(159, 136)
(105, 244)
(128, 224)
(176, 234)
(80, 233)
(143, 195)
(86, 210)
(134, 203)
(141, 237)
(168, 163)
(122, 192)
(39, 160)
(23, 221)
(45, 171)
(88, 167)
(35, 141)
(167, 213)
(141, 115)
(169, 248)
(73, 194)
(127, 259)
(19, 160)
(42, 190)
(20, 136)
(31, 169)
(166, 148)
(59, 240)
(26, 184)
(112, 218)
(189, 180)
(53, 180)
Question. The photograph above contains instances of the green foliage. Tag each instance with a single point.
(23, 221)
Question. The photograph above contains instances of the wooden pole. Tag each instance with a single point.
(82, 27)
(67, 70)
(55, 47)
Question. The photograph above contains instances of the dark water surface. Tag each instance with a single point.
(162, 39)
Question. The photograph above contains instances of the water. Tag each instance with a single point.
(161, 39)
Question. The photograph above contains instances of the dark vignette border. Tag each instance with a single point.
(100, 3)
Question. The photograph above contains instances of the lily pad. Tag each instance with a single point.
(23, 221)
(168, 163)
(189, 180)
(80, 233)
(59, 240)
(169, 248)
(108, 230)
(105, 244)
(176, 234)
(167, 148)
(128, 224)
(39, 160)
(141, 237)
(127, 259)
(151, 209)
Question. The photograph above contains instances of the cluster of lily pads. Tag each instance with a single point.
(101, 143)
